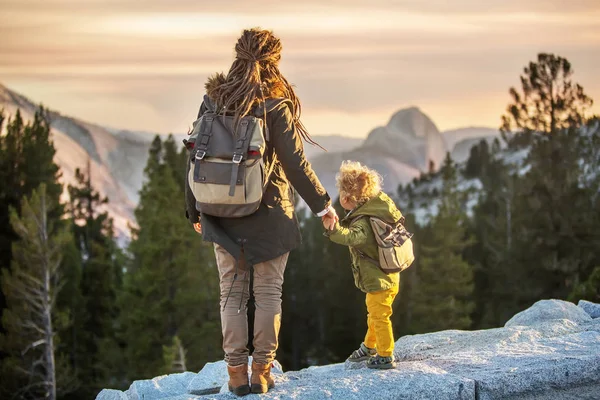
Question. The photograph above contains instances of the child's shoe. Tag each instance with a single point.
(362, 353)
(379, 362)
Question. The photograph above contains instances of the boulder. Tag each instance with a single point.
(160, 387)
(209, 379)
(564, 363)
(540, 349)
(110, 394)
(547, 310)
(592, 309)
(551, 350)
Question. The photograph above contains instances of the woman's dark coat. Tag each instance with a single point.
(273, 229)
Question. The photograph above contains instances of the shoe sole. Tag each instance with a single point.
(240, 390)
(382, 366)
(365, 358)
(258, 388)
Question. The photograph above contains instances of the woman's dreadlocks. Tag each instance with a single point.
(253, 76)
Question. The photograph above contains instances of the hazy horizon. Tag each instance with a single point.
(142, 65)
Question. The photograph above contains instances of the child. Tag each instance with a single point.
(361, 195)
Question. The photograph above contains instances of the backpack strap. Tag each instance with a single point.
(241, 146)
(353, 220)
(366, 257)
(204, 138)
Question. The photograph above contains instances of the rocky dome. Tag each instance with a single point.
(411, 137)
(549, 351)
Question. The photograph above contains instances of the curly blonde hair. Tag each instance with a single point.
(357, 182)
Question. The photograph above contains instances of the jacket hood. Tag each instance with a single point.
(380, 206)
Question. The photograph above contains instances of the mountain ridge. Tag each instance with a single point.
(400, 151)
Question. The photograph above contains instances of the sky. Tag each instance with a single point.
(142, 64)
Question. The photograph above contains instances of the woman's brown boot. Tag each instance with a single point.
(261, 381)
(238, 379)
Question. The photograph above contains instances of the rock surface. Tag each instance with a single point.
(592, 309)
(213, 377)
(160, 387)
(549, 310)
(549, 351)
(111, 394)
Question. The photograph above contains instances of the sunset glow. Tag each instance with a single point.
(142, 65)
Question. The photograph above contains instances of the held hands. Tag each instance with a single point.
(198, 227)
(330, 219)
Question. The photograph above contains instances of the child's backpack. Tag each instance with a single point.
(394, 244)
(227, 173)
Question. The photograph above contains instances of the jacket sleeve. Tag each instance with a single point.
(354, 235)
(289, 149)
(191, 213)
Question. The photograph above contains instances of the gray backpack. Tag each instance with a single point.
(394, 245)
(227, 173)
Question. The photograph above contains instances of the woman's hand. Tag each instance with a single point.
(330, 219)
(198, 227)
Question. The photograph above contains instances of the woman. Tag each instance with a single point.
(265, 238)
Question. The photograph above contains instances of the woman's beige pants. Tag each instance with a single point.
(268, 281)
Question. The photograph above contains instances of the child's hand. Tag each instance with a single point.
(198, 227)
(330, 219)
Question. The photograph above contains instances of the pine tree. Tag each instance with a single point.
(445, 280)
(175, 159)
(26, 161)
(557, 239)
(70, 302)
(171, 284)
(497, 292)
(402, 317)
(588, 290)
(535, 226)
(174, 356)
(31, 288)
(96, 353)
(548, 101)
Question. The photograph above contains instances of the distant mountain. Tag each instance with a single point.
(117, 158)
(331, 143)
(454, 136)
(462, 149)
(400, 151)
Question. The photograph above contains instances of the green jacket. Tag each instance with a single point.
(358, 235)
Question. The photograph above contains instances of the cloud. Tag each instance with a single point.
(274, 6)
(342, 55)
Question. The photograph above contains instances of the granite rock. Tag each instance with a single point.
(592, 309)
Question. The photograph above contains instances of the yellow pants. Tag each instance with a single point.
(379, 334)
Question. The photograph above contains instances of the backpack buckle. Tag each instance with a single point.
(200, 154)
(237, 158)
